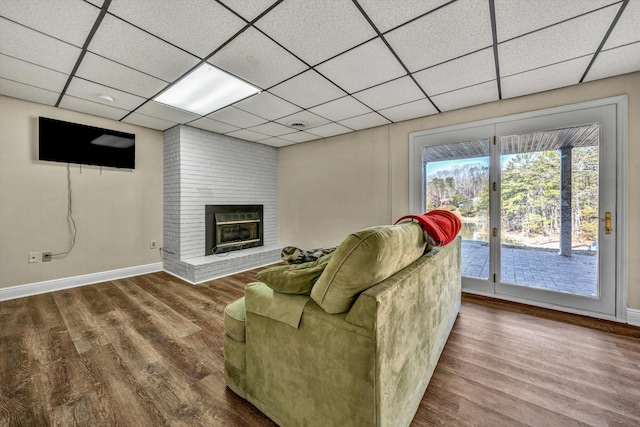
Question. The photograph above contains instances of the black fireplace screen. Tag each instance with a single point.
(231, 228)
(234, 228)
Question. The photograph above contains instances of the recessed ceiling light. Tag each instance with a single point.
(205, 90)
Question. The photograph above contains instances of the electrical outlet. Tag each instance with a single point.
(152, 244)
(33, 257)
(46, 256)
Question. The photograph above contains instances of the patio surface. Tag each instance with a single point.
(540, 268)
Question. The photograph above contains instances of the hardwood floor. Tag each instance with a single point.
(147, 351)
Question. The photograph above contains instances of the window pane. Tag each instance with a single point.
(456, 178)
(549, 209)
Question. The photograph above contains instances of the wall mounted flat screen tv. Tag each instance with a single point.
(74, 143)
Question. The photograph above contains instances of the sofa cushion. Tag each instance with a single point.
(234, 320)
(363, 259)
(266, 302)
(295, 278)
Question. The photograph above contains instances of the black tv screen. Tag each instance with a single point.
(74, 143)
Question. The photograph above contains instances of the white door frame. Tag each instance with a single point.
(420, 139)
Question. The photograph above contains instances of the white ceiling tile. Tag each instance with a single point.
(621, 60)
(83, 106)
(267, 105)
(236, 117)
(466, 71)
(316, 30)
(31, 74)
(387, 15)
(109, 73)
(307, 117)
(571, 39)
(474, 95)
(276, 142)
(165, 112)
(88, 90)
(546, 44)
(249, 9)
(149, 122)
(272, 129)
(330, 129)
(248, 135)
(300, 137)
(452, 31)
(212, 125)
(389, 94)
(410, 110)
(546, 78)
(517, 17)
(28, 93)
(365, 66)
(32, 46)
(257, 59)
(308, 89)
(341, 109)
(365, 121)
(67, 20)
(128, 45)
(200, 28)
(627, 29)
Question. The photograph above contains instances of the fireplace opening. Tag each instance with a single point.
(232, 227)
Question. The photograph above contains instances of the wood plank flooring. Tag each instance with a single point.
(147, 351)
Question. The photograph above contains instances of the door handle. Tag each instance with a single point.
(607, 222)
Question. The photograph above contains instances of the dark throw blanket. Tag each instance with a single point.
(293, 255)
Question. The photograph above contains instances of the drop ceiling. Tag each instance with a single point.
(334, 66)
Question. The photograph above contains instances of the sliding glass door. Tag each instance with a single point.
(537, 200)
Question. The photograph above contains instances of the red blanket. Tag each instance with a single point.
(442, 226)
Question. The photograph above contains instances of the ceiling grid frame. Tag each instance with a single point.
(21, 73)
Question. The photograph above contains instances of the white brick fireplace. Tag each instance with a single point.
(204, 168)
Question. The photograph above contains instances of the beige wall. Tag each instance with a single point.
(329, 188)
(117, 212)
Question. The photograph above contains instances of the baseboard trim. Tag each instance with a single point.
(633, 317)
(30, 289)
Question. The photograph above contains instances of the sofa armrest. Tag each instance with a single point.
(319, 374)
(411, 313)
(286, 308)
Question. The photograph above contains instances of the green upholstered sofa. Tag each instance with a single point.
(361, 348)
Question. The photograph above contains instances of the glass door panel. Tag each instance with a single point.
(549, 210)
(557, 187)
(457, 179)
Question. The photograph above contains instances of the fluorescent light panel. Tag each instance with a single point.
(205, 90)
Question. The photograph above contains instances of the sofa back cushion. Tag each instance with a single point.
(363, 259)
